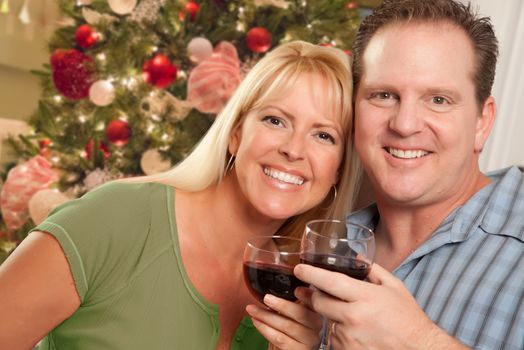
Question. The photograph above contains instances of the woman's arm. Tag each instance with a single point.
(37, 291)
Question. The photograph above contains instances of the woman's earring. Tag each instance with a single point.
(334, 197)
(230, 163)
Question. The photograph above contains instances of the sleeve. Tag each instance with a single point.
(102, 235)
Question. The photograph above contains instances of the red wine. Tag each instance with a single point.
(347, 265)
(278, 280)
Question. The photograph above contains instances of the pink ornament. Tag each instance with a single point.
(213, 81)
(22, 182)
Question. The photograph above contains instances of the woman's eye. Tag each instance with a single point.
(325, 137)
(275, 121)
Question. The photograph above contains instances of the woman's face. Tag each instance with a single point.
(288, 152)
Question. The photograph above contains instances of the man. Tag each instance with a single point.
(449, 239)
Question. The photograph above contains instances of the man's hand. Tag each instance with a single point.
(377, 315)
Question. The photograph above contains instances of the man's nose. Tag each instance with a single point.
(407, 119)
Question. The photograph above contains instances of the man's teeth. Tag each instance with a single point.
(409, 154)
(284, 177)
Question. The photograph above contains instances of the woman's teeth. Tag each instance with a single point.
(284, 177)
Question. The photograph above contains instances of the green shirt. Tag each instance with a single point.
(121, 243)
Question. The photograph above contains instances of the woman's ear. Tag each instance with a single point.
(485, 123)
(234, 140)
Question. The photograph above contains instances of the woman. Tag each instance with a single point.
(157, 261)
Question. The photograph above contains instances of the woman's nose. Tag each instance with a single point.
(292, 147)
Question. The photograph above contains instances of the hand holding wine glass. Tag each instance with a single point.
(334, 245)
(268, 273)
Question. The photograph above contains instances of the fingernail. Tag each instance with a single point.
(251, 309)
(269, 300)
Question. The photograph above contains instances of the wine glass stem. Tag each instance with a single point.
(324, 335)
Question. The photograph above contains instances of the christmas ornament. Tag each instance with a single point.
(22, 182)
(214, 80)
(153, 163)
(118, 132)
(102, 93)
(352, 5)
(96, 178)
(190, 8)
(43, 145)
(122, 7)
(86, 37)
(159, 104)
(258, 39)
(73, 72)
(94, 18)
(147, 11)
(159, 71)
(43, 202)
(277, 3)
(101, 147)
(199, 49)
(83, 2)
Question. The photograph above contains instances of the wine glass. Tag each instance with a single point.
(268, 266)
(334, 245)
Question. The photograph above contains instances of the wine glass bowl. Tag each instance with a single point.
(334, 245)
(268, 266)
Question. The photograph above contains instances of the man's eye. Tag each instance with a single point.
(439, 100)
(383, 95)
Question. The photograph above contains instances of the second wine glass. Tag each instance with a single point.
(338, 246)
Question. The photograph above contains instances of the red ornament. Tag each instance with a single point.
(118, 132)
(159, 71)
(86, 37)
(326, 44)
(352, 5)
(73, 72)
(191, 8)
(102, 147)
(258, 39)
(349, 53)
(44, 147)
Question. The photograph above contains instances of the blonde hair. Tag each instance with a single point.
(274, 75)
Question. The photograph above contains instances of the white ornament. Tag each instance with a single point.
(152, 162)
(283, 4)
(43, 202)
(92, 17)
(102, 93)
(199, 49)
(122, 7)
(96, 178)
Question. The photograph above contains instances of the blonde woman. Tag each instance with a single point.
(156, 262)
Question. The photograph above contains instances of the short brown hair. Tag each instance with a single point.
(478, 29)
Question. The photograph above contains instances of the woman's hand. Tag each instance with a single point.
(377, 315)
(288, 325)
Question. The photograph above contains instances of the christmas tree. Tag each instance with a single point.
(132, 85)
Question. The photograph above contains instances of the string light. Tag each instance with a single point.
(58, 98)
(82, 119)
(101, 57)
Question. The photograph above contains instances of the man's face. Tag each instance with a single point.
(418, 127)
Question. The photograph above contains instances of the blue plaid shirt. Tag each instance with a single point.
(468, 276)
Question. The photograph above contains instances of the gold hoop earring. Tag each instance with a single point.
(230, 163)
(334, 197)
